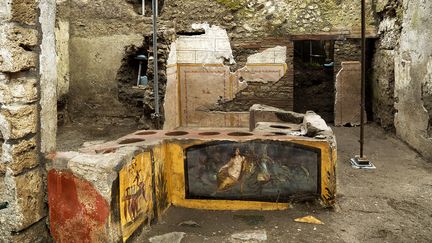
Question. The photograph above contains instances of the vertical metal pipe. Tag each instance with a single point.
(363, 76)
(155, 59)
(139, 73)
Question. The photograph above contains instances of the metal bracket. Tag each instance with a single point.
(362, 163)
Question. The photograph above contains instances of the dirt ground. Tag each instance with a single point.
(70, 137)
(390, 204)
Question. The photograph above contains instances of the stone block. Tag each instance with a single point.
(19, 35)
(17, 121)
(3, 202)
(25, 197)
(314, 125)
(30, 196)
(21, 90)
(20, 156)
(37, 233)
(264, 113)
(15, 48)
(16, 59)
(24, 11)
(348, 94)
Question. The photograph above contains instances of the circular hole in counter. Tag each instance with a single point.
(146, 133)
(106, 151)
(240, 134)
(280, 127)
(131, 140)
(209, 133)
(176, 133)
(279, 134)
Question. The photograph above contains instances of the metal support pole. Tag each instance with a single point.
(361, 162)
(363, 76)
(139, 73)
(156, 115)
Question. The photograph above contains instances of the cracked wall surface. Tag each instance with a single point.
(199, 83)
(413, 77)
(383, 80)
(90, 24)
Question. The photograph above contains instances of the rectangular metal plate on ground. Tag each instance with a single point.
(365, 164)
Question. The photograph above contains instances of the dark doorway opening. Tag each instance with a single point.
(314, 87)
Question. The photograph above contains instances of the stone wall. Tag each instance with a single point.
(22, 176)
(383, 80)
(402, 72)
(97, 26)
(413, 77)
(346, 51)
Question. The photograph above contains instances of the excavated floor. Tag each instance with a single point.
(390, 204)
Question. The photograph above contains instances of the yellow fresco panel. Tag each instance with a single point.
(176, 160)
(136, 192)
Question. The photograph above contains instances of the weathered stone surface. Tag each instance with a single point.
(25, 197)
(15, 42)
(314, 125)
(348, 94)
(19, 35)
(19, 157)
(250, 236)
(17, 121)
(264, 113)
(2, 191)
(37, 233)
(413, 78)
(21, 90)
(48, 77)
(62, 50)
(173, 237)
(14, 60)
(345, 51)
(5, 10)
(383, 88)
(277, 128)
(24, 11)
(30, 198)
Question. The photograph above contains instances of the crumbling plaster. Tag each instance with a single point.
(253, 20)
(48, 76)
(204, 55)
(413, 72)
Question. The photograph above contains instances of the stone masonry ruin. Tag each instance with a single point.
(68, 75)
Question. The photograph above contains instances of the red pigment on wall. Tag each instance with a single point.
(78, 212)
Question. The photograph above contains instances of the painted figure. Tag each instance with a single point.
(134, 192)
(131, 199)
(230, 174)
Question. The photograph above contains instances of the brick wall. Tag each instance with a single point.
(279, 94)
